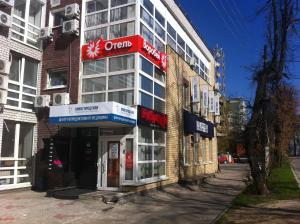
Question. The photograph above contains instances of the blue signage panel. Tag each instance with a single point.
(92, 118)
(195, 124)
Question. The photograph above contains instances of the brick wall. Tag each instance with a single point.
(61, 53)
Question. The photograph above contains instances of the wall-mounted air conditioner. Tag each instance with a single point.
(72, 11)
(54, 3)
(61, 99)
(46, 33)
(4, 66)
(8, 3)
(71, 27)
(3, 82)
(42, 101)
(5, 19)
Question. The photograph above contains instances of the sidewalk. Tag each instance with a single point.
(175, 204)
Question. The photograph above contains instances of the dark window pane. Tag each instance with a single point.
(148, 5)
(146, 66)
(146, 84)
(159, 91)
(146, 100)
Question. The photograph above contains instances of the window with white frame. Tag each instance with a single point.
(109, 79)
(99, 25)
(203, 149)
(177, 43)
(152, 27)
(57, 79)
(185, 152)
(211, 159)
(16, 153)
(27, 21)
(152, 91)
(151, 153)
(22, 82)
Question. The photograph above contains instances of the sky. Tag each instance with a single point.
(235, 27)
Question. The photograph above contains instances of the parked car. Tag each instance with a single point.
(225, 158)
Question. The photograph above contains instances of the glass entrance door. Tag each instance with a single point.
(113, 164)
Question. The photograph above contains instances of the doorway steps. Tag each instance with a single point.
(108, 197)
(69, 193)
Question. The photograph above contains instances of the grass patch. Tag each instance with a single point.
(282, 186)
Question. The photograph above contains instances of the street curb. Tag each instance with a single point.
(220, 215)
(295, 175)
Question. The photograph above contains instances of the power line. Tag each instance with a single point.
(226, 24)
(229, 16)
(237, 9)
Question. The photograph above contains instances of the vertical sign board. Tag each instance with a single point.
(211, 102)
(217, 105)
(205, 96)
(195, 90)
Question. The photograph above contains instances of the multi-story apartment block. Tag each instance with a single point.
(20, 59)
(126, 96)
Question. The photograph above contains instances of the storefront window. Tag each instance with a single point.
(25, 140)
(95, 34)
(123, 97)
(94, 67)
(123, 81)
(129, 159)
(94, 84)
(151, 153)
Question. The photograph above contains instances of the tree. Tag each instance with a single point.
(269, 76)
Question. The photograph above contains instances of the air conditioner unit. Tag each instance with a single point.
(3, 96)
(61, 99)
(196, 108)
(54, 3)
(217, 86)
(217, 119)
(4, 66)
(46, 33)
(193, 62)
(8, 3)
(204, 111)
(72, 10)
(42, 101)
(3, 82)
(5, 19)
(71, 26)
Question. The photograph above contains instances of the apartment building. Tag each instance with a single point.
(126, 98)
(20, 68)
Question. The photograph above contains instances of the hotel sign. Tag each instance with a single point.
(105, 48)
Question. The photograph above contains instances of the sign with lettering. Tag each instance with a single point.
(101, 48)
(152, 118)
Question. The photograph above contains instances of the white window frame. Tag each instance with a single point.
(20, 91)
(48, 87)
(153, 161)
(16, 159)
(51, 17)
(27, 24)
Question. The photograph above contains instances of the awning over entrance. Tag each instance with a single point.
(194, 124)
(93, 114)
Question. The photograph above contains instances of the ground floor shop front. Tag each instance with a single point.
(106, 146)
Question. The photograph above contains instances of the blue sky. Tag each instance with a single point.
(234, 26)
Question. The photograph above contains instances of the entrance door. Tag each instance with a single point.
(88, 162)
(113, 164)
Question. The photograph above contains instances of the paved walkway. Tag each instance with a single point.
(296, 168)
(174, 204)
